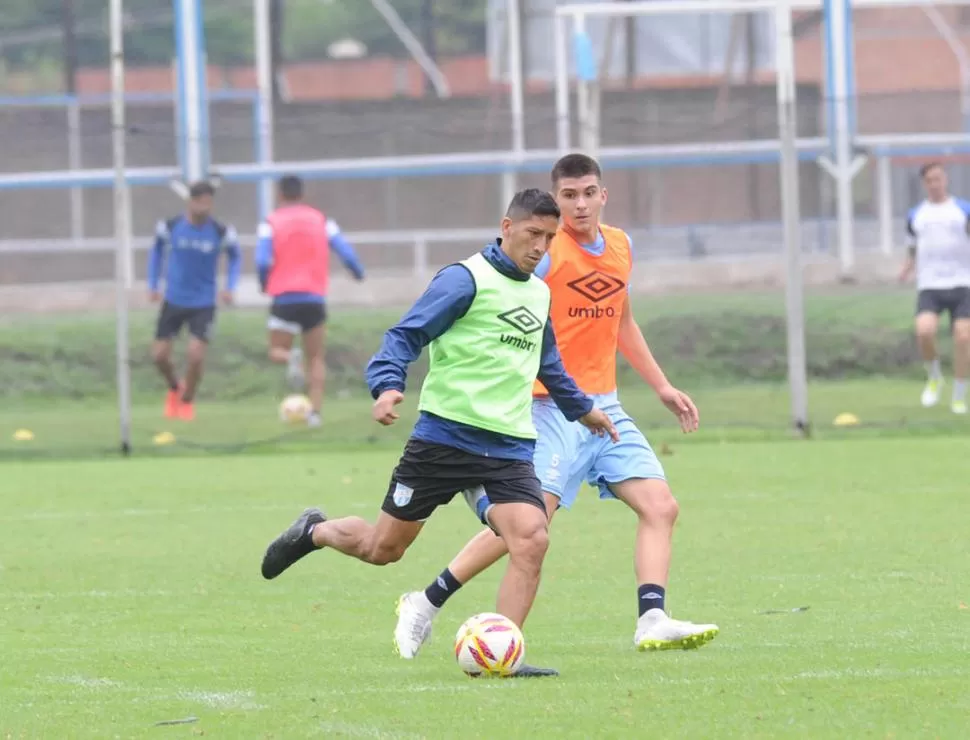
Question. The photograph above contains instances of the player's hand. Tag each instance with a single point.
(599, 423)
(681, 406)
(227, 297)
(155, 296)
(383, 410)
(905, 274)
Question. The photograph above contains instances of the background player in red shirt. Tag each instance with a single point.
(293, 261)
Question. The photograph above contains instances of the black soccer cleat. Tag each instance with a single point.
(292, 545)
(530, 671)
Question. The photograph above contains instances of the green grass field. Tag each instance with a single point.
(131, 595)
(57, 376)
(130, 591)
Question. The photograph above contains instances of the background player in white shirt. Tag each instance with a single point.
(939, 254)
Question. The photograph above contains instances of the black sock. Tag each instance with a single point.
(650, 596)
(442, 588)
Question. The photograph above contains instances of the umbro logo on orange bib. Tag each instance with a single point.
(595, 286)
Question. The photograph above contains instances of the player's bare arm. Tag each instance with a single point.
(633, 346)
(909, 266)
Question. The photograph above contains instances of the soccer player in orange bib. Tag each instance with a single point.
(588, 272)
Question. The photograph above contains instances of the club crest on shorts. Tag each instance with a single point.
(402, 494)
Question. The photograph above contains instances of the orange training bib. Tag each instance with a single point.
(588, 294)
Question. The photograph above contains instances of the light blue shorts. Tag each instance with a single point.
(567, 453)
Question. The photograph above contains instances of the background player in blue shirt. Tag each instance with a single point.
(187, 249)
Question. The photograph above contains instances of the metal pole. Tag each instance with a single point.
(791, 208)
(516, 96)
(582, 93)
(414, 47)
(122, 217)
(264, 104)
(74, 163)
(562, 84)
(842, 168)
(187, 44)
(884, 185)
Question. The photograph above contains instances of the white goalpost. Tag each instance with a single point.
(842, 166)
(576, 15)
(122, 222)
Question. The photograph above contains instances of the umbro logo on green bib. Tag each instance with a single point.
(522, 319)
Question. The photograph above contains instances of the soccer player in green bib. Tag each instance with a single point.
(486, 320)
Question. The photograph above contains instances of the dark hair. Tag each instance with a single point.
(532, 202)
(200, 188)
(575, 165)
(291, 187)
(929, 167)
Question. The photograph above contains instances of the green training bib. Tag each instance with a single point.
(483, 368)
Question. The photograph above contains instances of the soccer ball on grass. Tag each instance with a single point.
(489, 645)
(295, 409)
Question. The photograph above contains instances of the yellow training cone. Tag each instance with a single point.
(23, 435)
(164, 438)
(846, 420)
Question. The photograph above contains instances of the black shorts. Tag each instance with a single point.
(955, 301)
(171, 319)
(429, 475)
(295, 318)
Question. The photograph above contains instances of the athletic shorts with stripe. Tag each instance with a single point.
(429, 475)
(567, 453)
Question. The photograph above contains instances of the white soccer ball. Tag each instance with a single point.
(295, 409)
(489, 645)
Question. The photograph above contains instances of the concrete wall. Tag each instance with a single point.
(35, 140)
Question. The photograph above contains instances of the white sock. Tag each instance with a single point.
(959, 390)
(933, 369)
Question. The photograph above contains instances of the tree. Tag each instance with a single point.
(32, 31)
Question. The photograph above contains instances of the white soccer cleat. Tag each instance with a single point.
(313, 420)
(931, 392)
(657, 631)
(414, 616)
(294, 370)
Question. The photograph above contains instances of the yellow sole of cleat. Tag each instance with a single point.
(687, 643)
